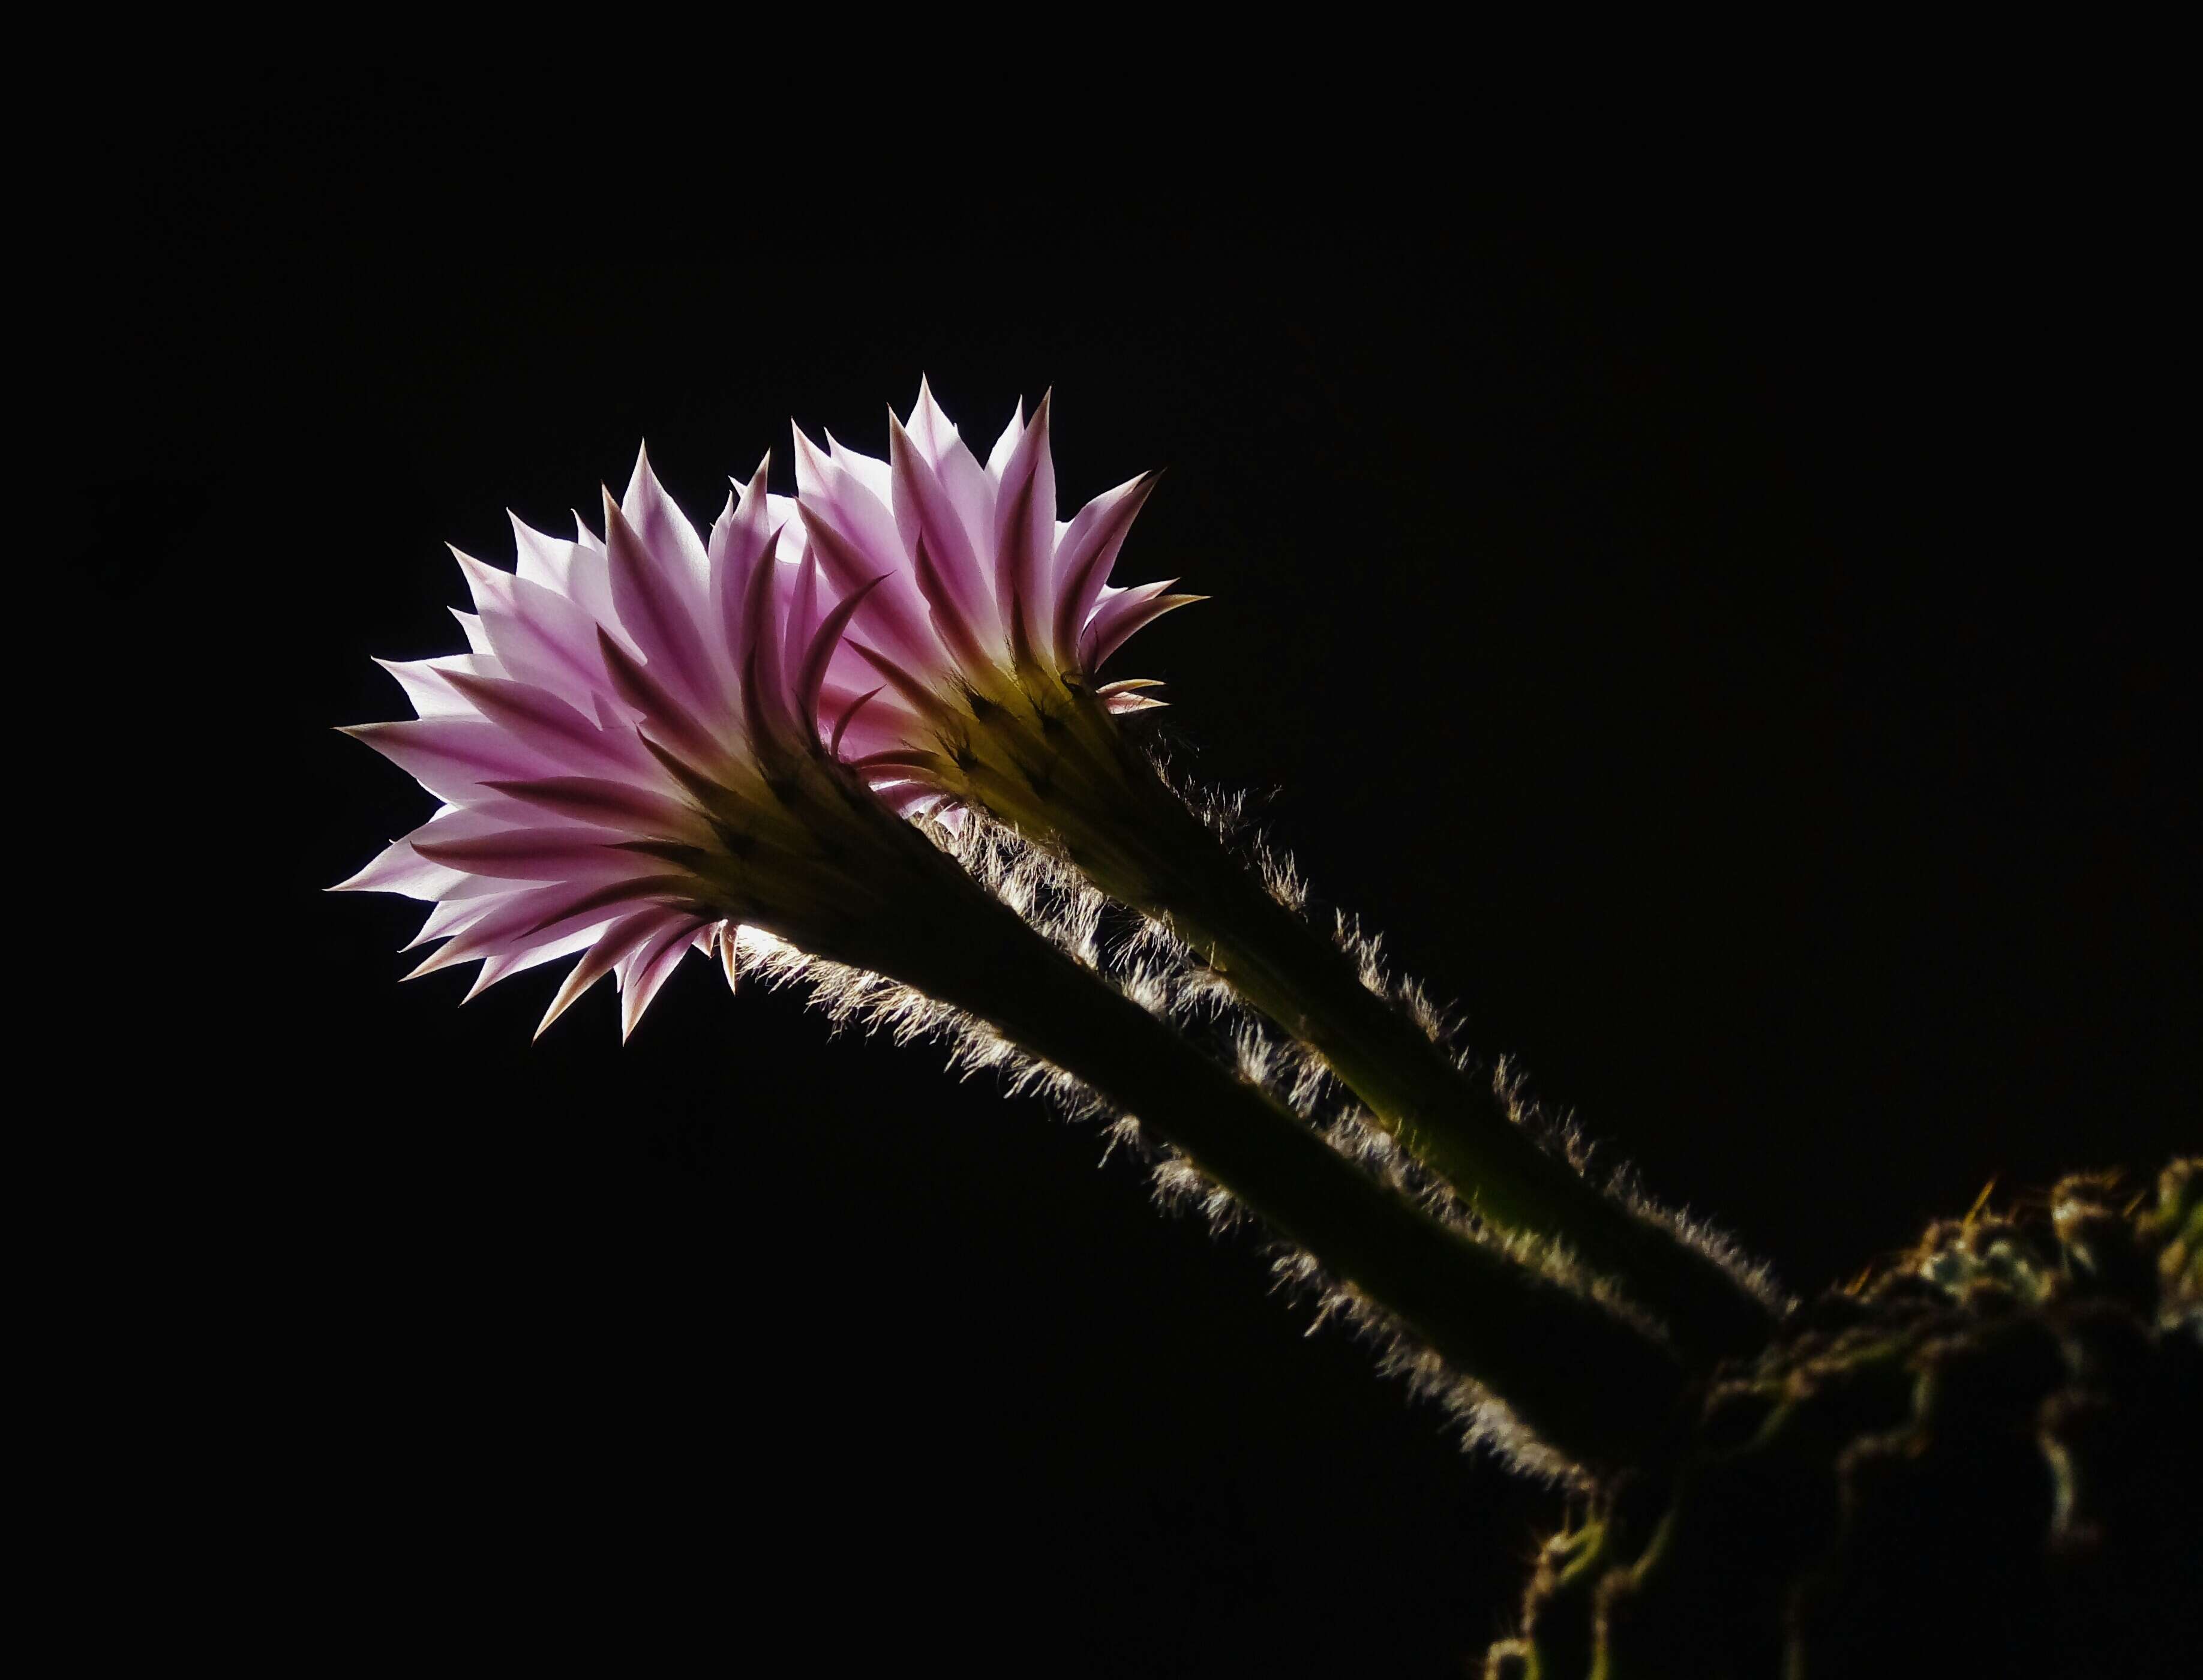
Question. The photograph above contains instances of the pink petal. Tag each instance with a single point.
(646, 970)
(451, 916)
(538, 635)
(855, 502)
(608, 804)
(894, 617)
(668, 719)
(514, 923)
(664, 529)
(999, 456)
(573, 569)
(1025, 535)
(541, 558)
(844, 715)
(402, 869)
(868, 471)
(426, 688)
(912, 693)
(803, 614)
(450, 756)
(527, 921)
(470, 626)
(559, 916)
(958, 633)
(1124, 612)
(946, 564)
(399, 868)
(930, 428)
(1084, 555)
(765, 707)
(610, 948)
(969, 491)
(874, 723)
(548, 724)
(535, 855)
(739, 537)
(660, 607)
(810, 674)
(496, 968)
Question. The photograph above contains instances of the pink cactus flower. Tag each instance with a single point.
(982, 586)
(607, 750)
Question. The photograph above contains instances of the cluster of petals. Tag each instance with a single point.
(977, 578)
(619, 695)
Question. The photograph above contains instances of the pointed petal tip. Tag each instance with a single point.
(567, 996)
(428, 965)
(352, 882)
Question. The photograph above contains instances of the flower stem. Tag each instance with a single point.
(1590, 1384)
(1101, 800)
(1587, 1382)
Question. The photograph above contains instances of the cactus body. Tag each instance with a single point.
(1986, 1460)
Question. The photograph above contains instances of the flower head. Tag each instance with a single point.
(973, 674)
(629, 753)
(980, 584)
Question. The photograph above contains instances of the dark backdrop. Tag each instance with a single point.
(1709, 603)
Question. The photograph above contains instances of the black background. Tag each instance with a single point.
(1702, 584)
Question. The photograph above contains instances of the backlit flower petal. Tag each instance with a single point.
(643, 972)
(1084, 555)
(1024, 537)
(942, 558)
